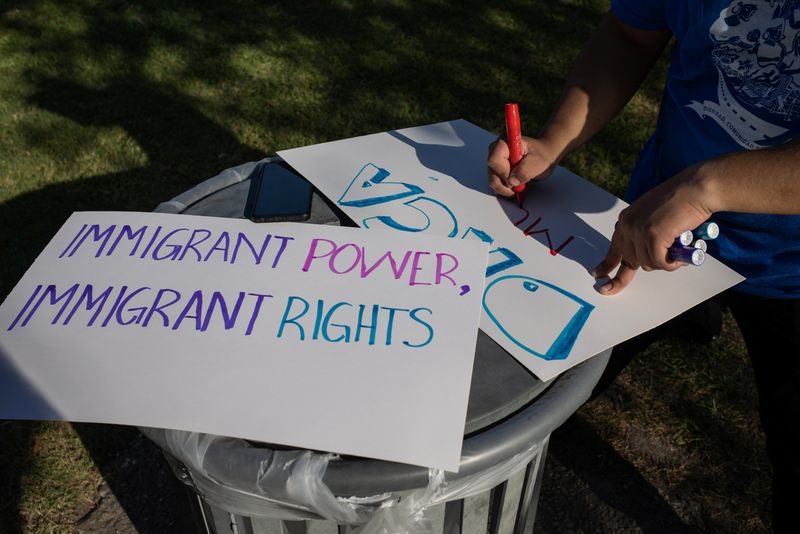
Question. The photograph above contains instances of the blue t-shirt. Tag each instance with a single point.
(734, 84)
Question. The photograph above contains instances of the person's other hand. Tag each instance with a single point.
(648, 227)
(538, 161)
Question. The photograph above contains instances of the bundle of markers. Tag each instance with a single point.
(690, 247)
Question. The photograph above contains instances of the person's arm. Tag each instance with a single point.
(760, 181)
(609, 70)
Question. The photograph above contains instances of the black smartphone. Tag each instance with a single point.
(277, 194)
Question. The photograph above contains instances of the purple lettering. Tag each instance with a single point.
(115, 307)
(99, 236)
(257, 255)
(150, 243)
(138, 311)
(86, 296)
(174, 250)
(50, 291)
(226, 240)
(127, 232)
(190, 245)
(24, 308)
(157, 307)
(228, 319)
(195, 304)
(256, 309)
(73, 240)
(284, 241)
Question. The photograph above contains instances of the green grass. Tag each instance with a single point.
(120, 105)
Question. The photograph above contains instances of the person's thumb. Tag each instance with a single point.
(529, 168)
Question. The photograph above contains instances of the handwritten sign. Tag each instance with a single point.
(312, 336)
(540, 302)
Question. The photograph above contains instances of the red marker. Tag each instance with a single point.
(514, 135)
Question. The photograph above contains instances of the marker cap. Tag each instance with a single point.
(685, 238)
(707, 230)
(690, 255)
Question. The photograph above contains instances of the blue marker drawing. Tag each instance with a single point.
(370, 187)
(511, 259)
(433, 216)
(550, 333)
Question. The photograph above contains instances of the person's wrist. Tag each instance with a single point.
(557, 141)
(704, 190)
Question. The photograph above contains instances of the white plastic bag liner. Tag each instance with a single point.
(288, 484)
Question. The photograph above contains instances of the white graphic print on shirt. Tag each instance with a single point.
(757, 55)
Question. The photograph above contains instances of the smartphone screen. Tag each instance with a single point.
(278, 194)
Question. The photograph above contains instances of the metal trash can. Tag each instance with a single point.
(244, 487)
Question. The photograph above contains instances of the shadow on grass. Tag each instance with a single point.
(178, 141)
(616, 497)
(17, 438)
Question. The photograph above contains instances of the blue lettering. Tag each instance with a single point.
(326, 322)
(413, 315)
(371, 327)
(285, 320)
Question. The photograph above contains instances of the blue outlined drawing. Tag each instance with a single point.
(439, 220)
(556, 306)
(511, 259)
(370, 187)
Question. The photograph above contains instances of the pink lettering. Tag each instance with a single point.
(415, 267)
(439, 263)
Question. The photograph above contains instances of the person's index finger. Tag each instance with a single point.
(498, 157)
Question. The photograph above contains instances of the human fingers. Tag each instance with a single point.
(622, 279)
(534, 165)
(497, 159)
(608, 264)
(498, 185)
(498, 168)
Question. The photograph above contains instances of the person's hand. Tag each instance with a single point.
(648, 227)
(538, 161)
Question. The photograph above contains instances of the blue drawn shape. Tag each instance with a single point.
(433, 217)
(511, 259)
(555, 319)
(369, 187)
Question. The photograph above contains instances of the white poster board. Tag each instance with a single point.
(312, 336)
(540, 302)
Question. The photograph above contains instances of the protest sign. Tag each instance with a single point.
(312, 336)
(540, 301)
